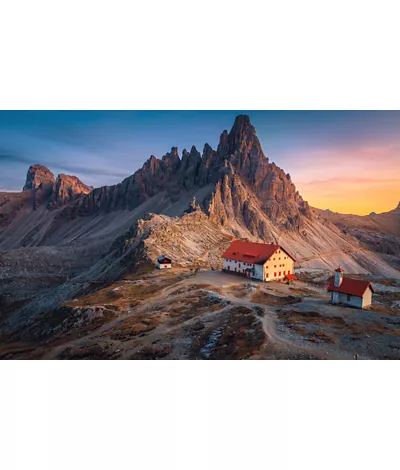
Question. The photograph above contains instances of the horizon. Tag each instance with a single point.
(343, 161)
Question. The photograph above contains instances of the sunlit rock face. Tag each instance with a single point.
(67, 189)
(38, 175)
(52, 192)
(243, 184)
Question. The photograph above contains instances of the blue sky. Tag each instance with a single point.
(332, 156)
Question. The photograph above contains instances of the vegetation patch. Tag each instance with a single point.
(262, 297)
(152, 352)
(295, 317)
(136, 325)
(238, 334)
(192, 306)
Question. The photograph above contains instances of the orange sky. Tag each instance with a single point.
(350, 181)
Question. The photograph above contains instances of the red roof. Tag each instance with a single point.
(257, 253)
(291, 277)
(351, 287)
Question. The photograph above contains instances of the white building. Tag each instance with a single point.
(164, 263)
(258, 260)
(353, 292)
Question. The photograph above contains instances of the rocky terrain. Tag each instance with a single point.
(41, 190)
(61, 239)
(379, 232)
(179, 314)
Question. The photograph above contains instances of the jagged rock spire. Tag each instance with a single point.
(36, 175)
(243, 138)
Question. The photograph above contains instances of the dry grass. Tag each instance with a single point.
(374, 328)
(92, 352)
(237, 335)
(123, 295)
(321, 336)
(136, 325)
(294, 317)
(301, 291)
(192, 287)
(385, 309)
(16, 349)
(262, 297)
(192, 306)
(239, 291)
(152, 352)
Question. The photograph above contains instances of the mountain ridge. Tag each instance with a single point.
(163, 208)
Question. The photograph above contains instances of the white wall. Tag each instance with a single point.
(367, 299)
(339, 298)
(259, 272)
(280, 262)
(164, 266)
(284, 265)
(240, 267)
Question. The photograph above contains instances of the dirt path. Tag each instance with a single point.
(221, 286)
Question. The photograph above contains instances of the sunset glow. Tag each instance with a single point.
(345, 161)
(351, 181)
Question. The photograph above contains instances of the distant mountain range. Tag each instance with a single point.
(189, 208)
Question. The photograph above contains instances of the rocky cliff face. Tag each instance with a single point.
(67, 189)
(38, 175)
(41, 190)
(53, 192)
(379, 232)
(246, 185)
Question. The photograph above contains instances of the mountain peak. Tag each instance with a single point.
(36, 175)
(242, 120)
(66, 189)
(242, 138)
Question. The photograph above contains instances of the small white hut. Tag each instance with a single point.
(353, 292)
(164, 263)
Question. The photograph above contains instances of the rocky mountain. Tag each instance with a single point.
(67, 189)
(41, 190)
(38, 175)
(379, 232)
(188, 208)
(238, 170)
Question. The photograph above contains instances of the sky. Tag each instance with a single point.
(345, 161)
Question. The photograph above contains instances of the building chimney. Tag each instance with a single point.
(338, 277)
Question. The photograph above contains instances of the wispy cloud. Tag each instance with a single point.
(349, 180)
(72, 169)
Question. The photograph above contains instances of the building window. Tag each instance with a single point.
(288, 272)
(279, 273)
(266, 275)
(229, 268)
(275, 266)
(284, 273)
(275, 274)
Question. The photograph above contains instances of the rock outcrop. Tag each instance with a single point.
(245, 184)
(38, 175)
(379, 232)
(67, 189)
(41, 190)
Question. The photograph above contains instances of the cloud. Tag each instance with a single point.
(350, 180)
(9, 159)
